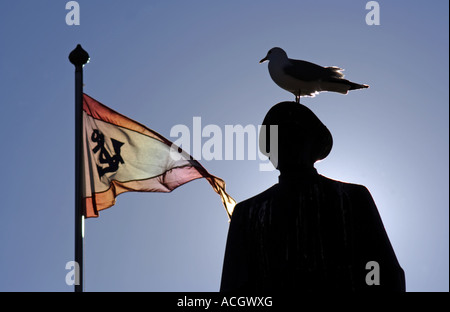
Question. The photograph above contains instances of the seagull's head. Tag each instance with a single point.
(274, 53)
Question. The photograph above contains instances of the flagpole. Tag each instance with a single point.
(79, 58)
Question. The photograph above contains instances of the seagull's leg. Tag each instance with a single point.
(297, 97)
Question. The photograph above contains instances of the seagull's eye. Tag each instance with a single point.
(269, 52)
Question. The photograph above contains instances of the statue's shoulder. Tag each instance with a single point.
(351, 188)
(257, 201)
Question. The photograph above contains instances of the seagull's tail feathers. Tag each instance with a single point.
(334, 86)
(336, 75)
(341, 85)
(356, 86)
(335, 72)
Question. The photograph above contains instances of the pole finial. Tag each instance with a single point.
(79, 56)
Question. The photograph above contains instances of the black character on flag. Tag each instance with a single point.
(105, 157)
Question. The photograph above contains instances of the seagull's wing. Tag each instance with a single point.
(307, 71)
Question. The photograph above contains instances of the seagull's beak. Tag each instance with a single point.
(263, 60)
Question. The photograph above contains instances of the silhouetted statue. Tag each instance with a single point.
(308, 232)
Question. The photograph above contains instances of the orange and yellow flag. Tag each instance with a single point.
(121, 155)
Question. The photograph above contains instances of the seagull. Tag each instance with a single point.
(304, 78)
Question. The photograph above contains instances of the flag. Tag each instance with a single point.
(121, 155)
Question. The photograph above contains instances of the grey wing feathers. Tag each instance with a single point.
(307, 71)
(304, 70)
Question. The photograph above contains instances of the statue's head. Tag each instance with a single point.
(300, 137)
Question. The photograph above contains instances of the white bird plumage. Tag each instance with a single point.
(303, 78)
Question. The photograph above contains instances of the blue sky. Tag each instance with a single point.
(162, 63)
